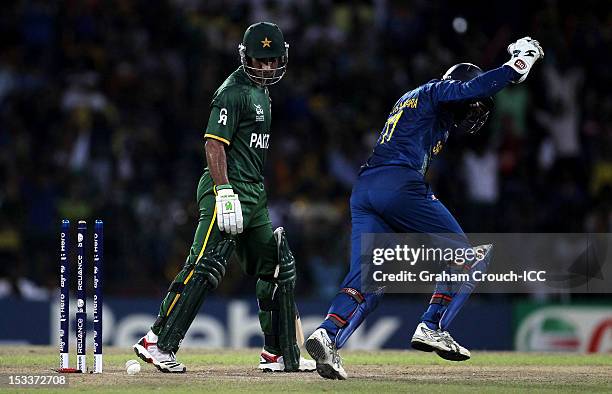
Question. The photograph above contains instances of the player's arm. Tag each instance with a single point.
(217, 161)
(525, 52)
(222, 125)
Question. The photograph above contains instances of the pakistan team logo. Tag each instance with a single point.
(260, 113)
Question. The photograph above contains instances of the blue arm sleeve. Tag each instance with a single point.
(484, 85)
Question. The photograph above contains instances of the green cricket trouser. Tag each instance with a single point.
(256, 247)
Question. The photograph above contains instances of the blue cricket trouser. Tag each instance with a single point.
(388, 199)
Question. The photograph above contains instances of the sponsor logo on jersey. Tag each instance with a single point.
(259, 140)
(436, 149)
(259, 117)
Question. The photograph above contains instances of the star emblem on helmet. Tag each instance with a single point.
(266, 42)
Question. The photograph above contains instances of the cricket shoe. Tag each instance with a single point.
(324, 352)
(456, 352)
(147, 350)
(269, 362)
(428, 340)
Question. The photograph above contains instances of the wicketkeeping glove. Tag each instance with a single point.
(525, 52)
(229, 211)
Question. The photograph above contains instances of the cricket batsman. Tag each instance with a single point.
(234, 216)
(391, 196)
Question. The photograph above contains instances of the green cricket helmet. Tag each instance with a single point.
(264, 42)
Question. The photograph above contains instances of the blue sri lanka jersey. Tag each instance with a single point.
(417, 128)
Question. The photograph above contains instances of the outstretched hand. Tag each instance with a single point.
(525, 52)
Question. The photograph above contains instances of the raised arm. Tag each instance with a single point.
(485, 85)
(525, 52)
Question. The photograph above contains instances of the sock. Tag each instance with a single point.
(330, 327)
(342, 305)
(432, 316)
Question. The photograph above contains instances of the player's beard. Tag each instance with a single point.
(262, 76)
(265, 76)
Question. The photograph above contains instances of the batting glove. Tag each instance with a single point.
(525, 52)
(229, 210)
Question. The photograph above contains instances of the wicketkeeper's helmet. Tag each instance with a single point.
(470, 115)
(264, 41)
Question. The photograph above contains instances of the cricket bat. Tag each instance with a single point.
(299, 332)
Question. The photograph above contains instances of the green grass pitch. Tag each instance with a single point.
(377, 372)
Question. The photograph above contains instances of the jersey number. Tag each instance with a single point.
(390, 126)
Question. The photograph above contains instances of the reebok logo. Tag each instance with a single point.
(521, 65)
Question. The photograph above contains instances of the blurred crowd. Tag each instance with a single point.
(103, 104)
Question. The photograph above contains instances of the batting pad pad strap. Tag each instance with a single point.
(353, 293)
(441, 299)
(268, 305)
(177, 287)
(337, 320)
(159, 322)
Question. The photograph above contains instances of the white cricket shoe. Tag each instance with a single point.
(269, 362)
(427, 340)
(456, 352)
(147, 350)
(324, 352)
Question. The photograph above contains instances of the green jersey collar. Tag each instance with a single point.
(242, 76)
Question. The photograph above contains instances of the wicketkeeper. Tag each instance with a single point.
(391, 196)
(234, 216)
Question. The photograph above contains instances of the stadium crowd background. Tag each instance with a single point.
(103, 104)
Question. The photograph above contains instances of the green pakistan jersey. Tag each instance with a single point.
(240, 118)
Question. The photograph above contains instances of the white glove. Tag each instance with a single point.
(229, 211)
(524, 54)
